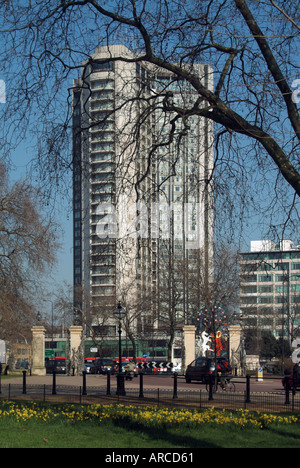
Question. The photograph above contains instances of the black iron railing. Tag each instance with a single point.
(202, 396)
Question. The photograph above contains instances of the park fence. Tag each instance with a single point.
(285, 401)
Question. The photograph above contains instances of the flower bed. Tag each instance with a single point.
(145, 416)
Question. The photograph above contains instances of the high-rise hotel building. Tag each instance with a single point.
(143, 202)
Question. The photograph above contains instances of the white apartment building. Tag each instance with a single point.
(106, 169)
(136, 218)
(183, 172)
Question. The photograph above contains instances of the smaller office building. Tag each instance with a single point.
(270, 288)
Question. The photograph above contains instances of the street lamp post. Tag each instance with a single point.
(120, 313)
(52, 320)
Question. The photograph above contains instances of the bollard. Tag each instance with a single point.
(259, 374)
(108, 384)
(211, 383)
(175, 386)
(287, 390)
(84, 392)
(54, 383)
(247, 400)
(24, 383)
(141, 395)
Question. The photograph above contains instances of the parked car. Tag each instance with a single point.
(104, 365)
(202, 367)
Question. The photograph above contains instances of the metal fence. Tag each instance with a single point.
(281, 401)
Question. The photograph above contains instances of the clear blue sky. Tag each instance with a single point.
(63, 271)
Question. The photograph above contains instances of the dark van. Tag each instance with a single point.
(202, 367)
(104, 365)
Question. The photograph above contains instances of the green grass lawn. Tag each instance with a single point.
(25, 425)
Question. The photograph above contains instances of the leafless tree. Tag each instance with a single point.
(28, 246)
(252, 46)
(185, 291)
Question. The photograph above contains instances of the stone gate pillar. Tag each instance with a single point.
(38, 350)
(189, 333)
(235, 346)
(76, 357)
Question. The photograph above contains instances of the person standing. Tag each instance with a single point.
(296, 375)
